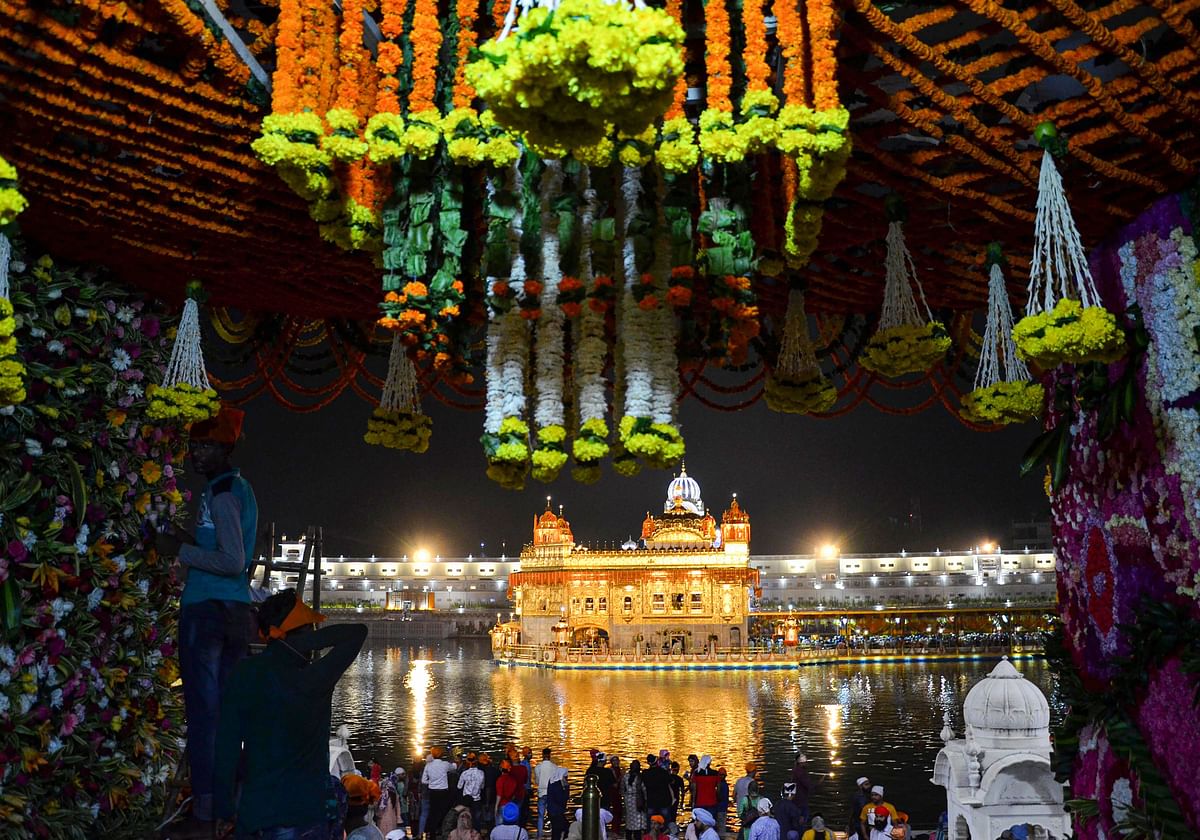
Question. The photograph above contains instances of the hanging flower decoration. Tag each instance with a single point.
(1003, 392)
(797, 386)
(549, 454)
(1064, 322)
(907, 340)
(185, 395)
(590, 445)
(92, 727)
(574, 71)
(398, 422)
(11, 200)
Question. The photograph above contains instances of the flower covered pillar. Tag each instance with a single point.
(1127, 534)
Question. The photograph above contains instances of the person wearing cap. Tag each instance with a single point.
(470, 788)
(389, 815)
(557, 794)
(766, 827)
(818, 831)
(605, 780)
(803, 782)
(860, 797)
(876, 815)
(275, 721)
(788, 815)
(435, 778)
(509, 829)
(215, 624)
(704, 784)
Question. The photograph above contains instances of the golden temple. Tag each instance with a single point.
(683, 588)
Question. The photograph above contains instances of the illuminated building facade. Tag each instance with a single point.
(685, 586)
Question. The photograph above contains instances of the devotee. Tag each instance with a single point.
(803, 782)
(747, 809)
(491, 774)
(435, 778)
(766, 827)
(527, 763)
(693, 761)
(720, 811)
(520, 774)
(508, 788)
(742, 785)
(450, 821)
(215, 624)
(633, 795)
(860, 797)
(464, 826)
(818, 830)
(677, 786)
(392, 812)
(508, 828)
(556, 804)
(604, 777)
(658, 825)
(470, 787)
(545, 773)
(576, 830)
(657, 783)
(704, 784)
(276, 712)
(615, 798)
(875, 813)
(707, 823)
(362, 794)
(788, 815)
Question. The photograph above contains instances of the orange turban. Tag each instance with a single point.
(300, 615)
(225, 427)
(360, 790)
(437, 752)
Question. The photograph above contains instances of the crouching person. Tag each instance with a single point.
(276, 710)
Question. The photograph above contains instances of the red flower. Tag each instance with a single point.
(571, 310)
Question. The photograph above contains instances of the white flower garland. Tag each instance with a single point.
(591, 348)
(663, 327)
(548, 377)
(998, 361)
(636, 328)
(797, 358)
(508, 334)
(899, 304)
(1059, 268)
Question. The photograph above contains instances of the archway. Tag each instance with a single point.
(594, 638)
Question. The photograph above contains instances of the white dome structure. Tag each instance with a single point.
(1004, 706)
(683, 493)
(999, 776)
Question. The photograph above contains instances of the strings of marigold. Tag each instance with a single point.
(679, 95)
(499, 13)
(468, 15)
(790, 33)
(426, 39)
(349, 47)
(716, 55)
(884, 25)
(390, 56)
(822, 45)
(754, 56)
(318, 54)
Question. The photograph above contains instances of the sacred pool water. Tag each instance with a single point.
(880, 721)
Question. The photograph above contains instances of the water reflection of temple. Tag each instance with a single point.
(683, 587)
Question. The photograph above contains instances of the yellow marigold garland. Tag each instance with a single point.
(182, 403)
(11, 201)
(404, 430)
(1069, 333)
(906, 348)
(809, 396)
(1004, 403)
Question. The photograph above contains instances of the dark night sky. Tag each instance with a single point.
(803, 481)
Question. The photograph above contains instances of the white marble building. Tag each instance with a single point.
(999, 776)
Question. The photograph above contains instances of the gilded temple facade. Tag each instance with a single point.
(685, 586)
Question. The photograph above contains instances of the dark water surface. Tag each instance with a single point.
(880, 721)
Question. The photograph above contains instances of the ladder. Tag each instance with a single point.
(307, 567)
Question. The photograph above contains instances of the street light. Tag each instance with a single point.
(421, 555)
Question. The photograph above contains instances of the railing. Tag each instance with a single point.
(550, 654)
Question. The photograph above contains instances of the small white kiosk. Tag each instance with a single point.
(999, 776)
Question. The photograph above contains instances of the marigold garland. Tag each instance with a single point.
(11, 201)
(426, 40)
(1004, 403)
(1070, 333)
(468, 13)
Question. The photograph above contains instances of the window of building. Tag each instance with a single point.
(574, 605)
(697, 602)
(589, 605)
(658, 602)
(627, 604)
(603, 605)
(677, 602)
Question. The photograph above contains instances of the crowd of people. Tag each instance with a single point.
(456, 795)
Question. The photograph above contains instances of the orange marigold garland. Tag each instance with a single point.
(468, 14)
(719, 140)
(390, 56)
(284, 87)
(426, 39)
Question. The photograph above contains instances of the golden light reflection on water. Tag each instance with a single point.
(850, 720)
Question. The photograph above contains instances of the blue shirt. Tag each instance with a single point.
(226, 530)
